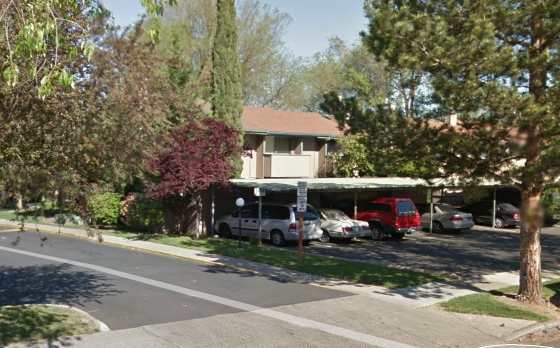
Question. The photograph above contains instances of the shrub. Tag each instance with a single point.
(256, 241)
(105, 208)
(142, 214)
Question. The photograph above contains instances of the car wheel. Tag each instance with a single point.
(398, 236)
(499, 223)
(325, 238)
(377, 232)
(225, 231)
(277, 238)
(437, 227)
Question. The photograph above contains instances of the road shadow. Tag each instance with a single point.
(45, 284)
(52, 284)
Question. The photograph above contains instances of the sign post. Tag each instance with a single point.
(301, 208)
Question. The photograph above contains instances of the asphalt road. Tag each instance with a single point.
(468, 254)
(124, 303)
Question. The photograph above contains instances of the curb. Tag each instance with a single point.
(532, 329)
(98, 323)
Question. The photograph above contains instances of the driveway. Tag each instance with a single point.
(468, 254)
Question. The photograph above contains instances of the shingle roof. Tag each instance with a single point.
(260, 119)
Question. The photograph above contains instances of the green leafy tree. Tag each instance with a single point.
(348, 72)
(369, 147)
(269, 73)
(227, 104)
(38, 32)
(493, 63)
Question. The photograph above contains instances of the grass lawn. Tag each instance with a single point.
(483, 304)
(486, 304)
(359, 272)
(550, 289)
(28, 217)
(31, 323)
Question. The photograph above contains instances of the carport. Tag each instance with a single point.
(320, 189)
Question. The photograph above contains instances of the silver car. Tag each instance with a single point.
(444, 217)
(279, 223)
(336, 224)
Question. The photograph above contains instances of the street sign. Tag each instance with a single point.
(302, 204)
(259, 192)
(302, 188)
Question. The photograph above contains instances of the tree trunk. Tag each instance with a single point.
(530, 277)
(19, 203)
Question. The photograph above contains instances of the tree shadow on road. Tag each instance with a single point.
(46, 284)
(52, 284)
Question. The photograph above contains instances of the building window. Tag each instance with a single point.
(274, 144)
(332, 146)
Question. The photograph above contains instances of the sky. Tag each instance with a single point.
(313, 21)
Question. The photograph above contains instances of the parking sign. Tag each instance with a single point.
(302, 188)
(301, 204)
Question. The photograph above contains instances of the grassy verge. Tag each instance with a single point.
(31, 323)
(483, 304)
(550, 289)
(333, 268)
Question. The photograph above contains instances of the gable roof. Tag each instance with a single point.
(263, 120)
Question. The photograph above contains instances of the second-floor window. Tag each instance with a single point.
(273, 144)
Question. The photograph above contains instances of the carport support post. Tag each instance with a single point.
(494, 210)
(431, 216)
(355, 204)
(213, 211)
(260, 216)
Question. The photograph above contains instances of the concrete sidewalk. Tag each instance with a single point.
(374, 316)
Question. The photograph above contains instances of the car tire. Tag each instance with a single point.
(437, 227)
(499, 223)
(277, 238)
(225, 231)
(377, 232)
(325, 237)
(397, 236)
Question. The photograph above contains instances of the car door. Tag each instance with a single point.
(250, 220)
(482, 212)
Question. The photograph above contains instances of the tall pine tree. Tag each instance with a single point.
(227, 95)
(493, 63)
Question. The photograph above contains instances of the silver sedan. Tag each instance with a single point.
(336, 224)
(445, 217)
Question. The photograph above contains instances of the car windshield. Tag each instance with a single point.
(446, 208)
(405, 207)
(334, 215)
(310, 214)
(507, 206)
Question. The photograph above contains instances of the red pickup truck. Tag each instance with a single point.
(386, 216)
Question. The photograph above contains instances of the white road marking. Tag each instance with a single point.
(335, 330)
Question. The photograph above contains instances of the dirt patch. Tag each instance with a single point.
(549, 309)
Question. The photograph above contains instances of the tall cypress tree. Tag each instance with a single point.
(227, 95)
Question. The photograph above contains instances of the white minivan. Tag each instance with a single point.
(279, 223)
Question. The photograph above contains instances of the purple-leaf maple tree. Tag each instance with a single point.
(194, 157)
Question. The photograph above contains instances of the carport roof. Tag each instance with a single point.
(350, 184)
